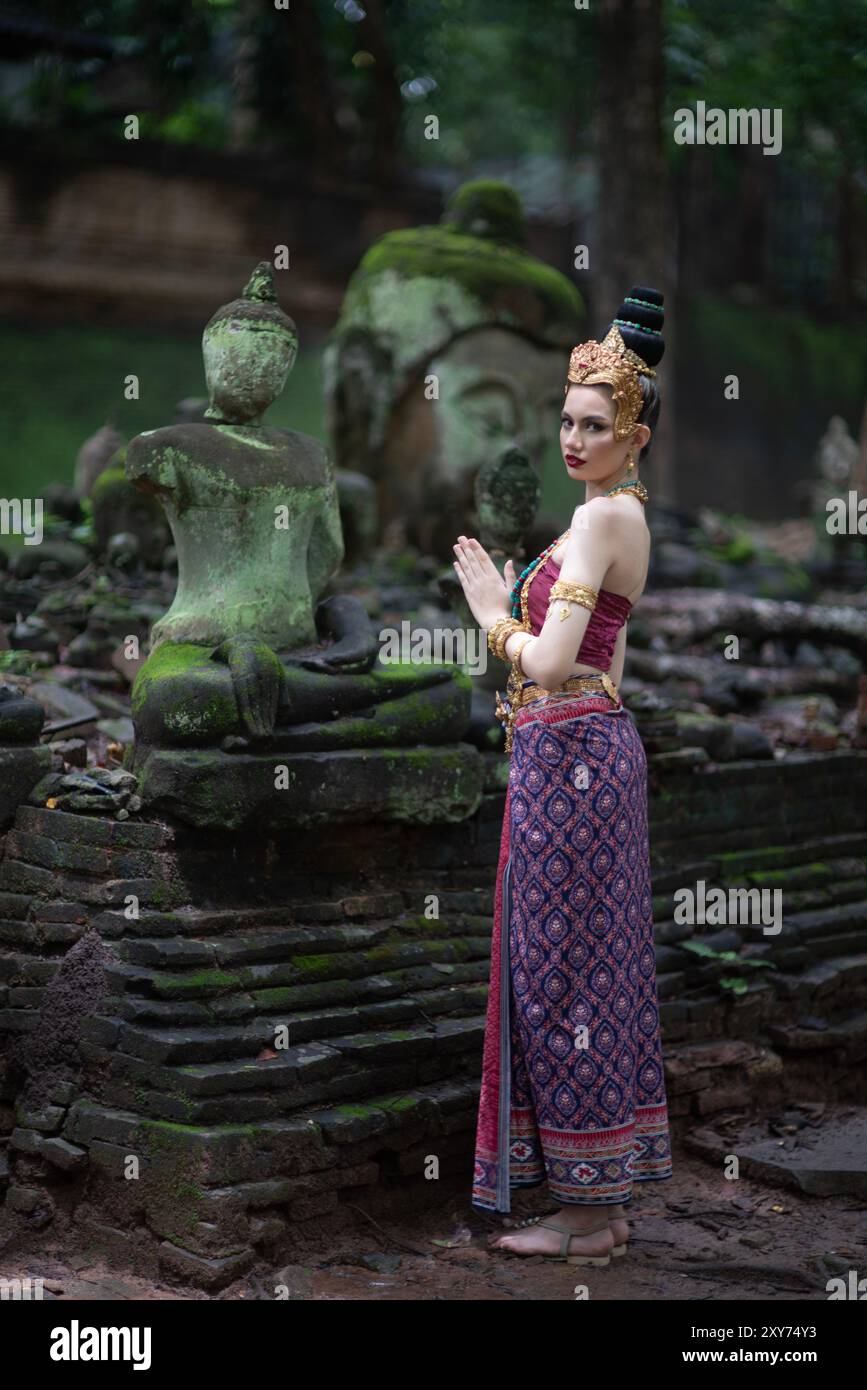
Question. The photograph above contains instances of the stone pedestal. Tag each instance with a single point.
(285, 1021)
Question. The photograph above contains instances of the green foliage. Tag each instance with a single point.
(808, 59)
(201, 123)
(65, 406)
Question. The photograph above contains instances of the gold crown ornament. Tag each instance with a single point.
(611, 363)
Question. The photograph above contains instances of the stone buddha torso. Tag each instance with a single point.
(255, 518)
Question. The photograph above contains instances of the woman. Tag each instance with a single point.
(573, 1088)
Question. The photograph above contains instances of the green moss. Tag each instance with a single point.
(402, 1103)
(111, 477)
(353, 1112)
(212, 981)
(489, 208)
(483, 269)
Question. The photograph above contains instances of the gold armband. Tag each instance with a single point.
(499, 634)
(572, 593)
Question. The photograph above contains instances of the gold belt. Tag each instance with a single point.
(520, 695)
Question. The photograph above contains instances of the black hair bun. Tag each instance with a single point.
(640, 319)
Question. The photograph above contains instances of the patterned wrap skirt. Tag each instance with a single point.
(573, 1089)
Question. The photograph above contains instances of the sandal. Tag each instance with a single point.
(566, 1234)
(622, 1247)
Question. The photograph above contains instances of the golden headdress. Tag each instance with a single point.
(612, 363)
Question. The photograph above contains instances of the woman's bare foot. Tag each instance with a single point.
(541, 1240)
(619, 1229)
(619, 1226)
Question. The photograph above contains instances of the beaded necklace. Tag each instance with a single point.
(520, 596)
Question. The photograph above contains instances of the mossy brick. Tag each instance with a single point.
(101, 892)
(373, 905)
(283, 945)
(23, 1199)
(791, 877)
(394, 1045)
(204, 1272)
(113, 923)
(60, 933)
(176, 1013)
(290, 1071)
(231, 1008)
(18, 933)
(100, 1031)
(21, 878)
(120, 977)
(150, 892)
(348, 1124)
(204, 1044)
(26, 1141)
(60, 911)
(71, 857)
(207, 1238)
(228, 1153)
(182, 1109)
(318, 912)
(268, 1192)
(167, 952)
(198, 984)
(47, 1119)
(848, 890)
(837, 944)
(250, 1107)
(827, 921)
(86, 1121)
(62, 1093)
(19, 969)
(15, 906)
(455, 1035)
(113, 1159)
(267, 1230)
(423, 785)
(63, 1155)
(93, 830)
(389, 956)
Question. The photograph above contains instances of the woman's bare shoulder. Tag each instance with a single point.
(605, 515)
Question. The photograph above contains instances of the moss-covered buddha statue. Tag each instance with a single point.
(448, 352)
(253, 665)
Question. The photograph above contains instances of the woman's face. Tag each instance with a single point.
(587, 434)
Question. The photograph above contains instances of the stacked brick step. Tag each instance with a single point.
(292, 1023)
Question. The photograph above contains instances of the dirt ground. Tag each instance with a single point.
(695, 1236)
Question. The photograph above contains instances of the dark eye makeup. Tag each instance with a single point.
(593, 422)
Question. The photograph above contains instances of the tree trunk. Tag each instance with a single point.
(314, 95)
(387, 98)
(633, 243)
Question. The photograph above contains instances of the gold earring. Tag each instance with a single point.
(630, 462)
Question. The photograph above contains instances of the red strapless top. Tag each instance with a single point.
(606, 620)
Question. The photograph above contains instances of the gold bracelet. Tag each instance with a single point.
(516, 659)
(509, 626)
(504, 632)
(562, 589)
(502, 628)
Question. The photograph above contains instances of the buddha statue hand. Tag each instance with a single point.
(258, 681)
(354, 648)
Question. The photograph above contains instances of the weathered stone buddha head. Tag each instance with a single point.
(450, 350)
(249, 348)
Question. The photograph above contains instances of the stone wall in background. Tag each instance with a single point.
(152, 1037)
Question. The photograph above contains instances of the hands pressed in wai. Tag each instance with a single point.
(487, 592)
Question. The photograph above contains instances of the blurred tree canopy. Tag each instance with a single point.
(354, 78)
